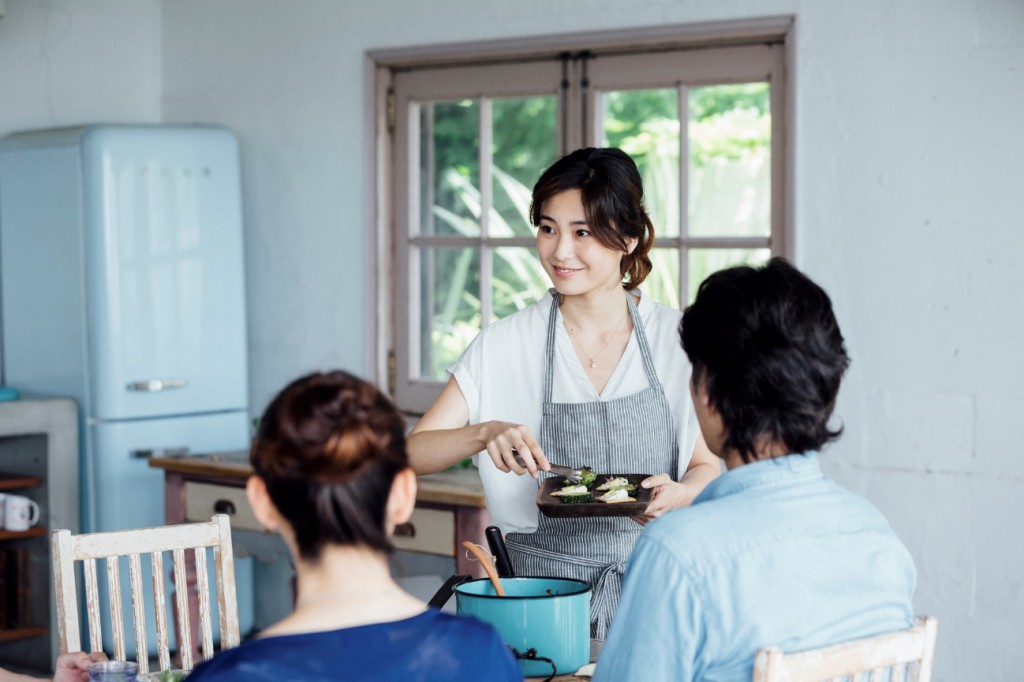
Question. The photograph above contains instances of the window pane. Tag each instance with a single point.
(662, 284)
(450, 168)
(524, 143)
(450, 305)
(730, 161)
(703, 262)
(519, 280)
(645, 125)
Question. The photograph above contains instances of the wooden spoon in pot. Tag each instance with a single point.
(488, 565)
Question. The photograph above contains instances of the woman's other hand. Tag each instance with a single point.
(503, 441)
(667, 494)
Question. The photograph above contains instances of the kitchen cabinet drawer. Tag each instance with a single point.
(203, 500)
(429, 531)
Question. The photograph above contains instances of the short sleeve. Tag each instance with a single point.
(467, 371)
(658, 631)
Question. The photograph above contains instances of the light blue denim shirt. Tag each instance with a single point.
(771, 553)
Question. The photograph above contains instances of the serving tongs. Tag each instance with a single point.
(572, 474)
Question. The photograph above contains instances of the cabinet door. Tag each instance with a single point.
(165, 277)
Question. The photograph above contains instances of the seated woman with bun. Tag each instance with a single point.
(331, 476)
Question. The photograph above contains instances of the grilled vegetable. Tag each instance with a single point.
(576, 498)
(617, 495)
(587, 478)
(613, 483)
(571, 490)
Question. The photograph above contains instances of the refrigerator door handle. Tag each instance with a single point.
(154, 385)
(146, 453)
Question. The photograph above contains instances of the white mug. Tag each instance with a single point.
(20, 513)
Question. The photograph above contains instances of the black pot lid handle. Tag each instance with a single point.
(502, 561)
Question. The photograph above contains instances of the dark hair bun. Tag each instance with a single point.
(328, 447)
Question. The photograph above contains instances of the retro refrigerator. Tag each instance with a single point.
(121, 266)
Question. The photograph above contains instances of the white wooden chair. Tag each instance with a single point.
(87, 548)
(899, 656)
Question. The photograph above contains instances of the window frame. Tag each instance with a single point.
(472, 70)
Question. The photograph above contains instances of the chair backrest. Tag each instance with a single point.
(899, 656)
(87, 548)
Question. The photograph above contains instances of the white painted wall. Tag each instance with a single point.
(63, 63)
(909, 162)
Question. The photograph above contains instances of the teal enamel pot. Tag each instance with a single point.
(541, 619)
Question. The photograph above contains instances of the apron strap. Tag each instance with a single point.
(645, 348)
(549, 349)
(606, 596)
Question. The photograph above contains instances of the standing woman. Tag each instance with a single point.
(331, 476)
(591, 375)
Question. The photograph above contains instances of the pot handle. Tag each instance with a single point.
(531, 655)
(443, 594)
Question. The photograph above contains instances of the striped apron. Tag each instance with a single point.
(629, 435)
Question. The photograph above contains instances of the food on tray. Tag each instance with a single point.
(570, 489)
(562, 496)
(619, 494)
(615, 489)
(613, 483)
(574, 493)
(578, 497)
(587, 477)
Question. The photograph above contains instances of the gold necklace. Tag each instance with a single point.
(593, 358)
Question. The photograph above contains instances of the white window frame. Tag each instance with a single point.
(475, 69)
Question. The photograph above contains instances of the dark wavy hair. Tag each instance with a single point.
(328, 447)
(613, 200)
(766, 346)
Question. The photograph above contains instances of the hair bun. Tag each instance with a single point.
(328, 447)
(347, 449)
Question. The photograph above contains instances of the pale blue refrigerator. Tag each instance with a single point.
(123, 286)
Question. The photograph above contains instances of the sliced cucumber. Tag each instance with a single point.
(576, 498)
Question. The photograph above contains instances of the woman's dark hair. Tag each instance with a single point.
(328, 448)
(613, 200)
(766, 346)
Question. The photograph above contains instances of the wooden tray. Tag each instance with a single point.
(552, 506)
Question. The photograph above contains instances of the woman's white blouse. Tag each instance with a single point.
(501, 376)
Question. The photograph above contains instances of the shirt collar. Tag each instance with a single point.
(763, 473)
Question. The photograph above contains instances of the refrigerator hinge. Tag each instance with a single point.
(392, 372)
(390, 112)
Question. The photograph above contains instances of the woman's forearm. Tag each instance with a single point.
(698, 476)
(444, 436)
(704, 467)
(431, 451)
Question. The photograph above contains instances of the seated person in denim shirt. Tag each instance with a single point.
(332, 477)
(772, 552)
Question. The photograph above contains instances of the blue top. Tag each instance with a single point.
(771, 553)
(428, 647)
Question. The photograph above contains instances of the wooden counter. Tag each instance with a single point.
(450, 506)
